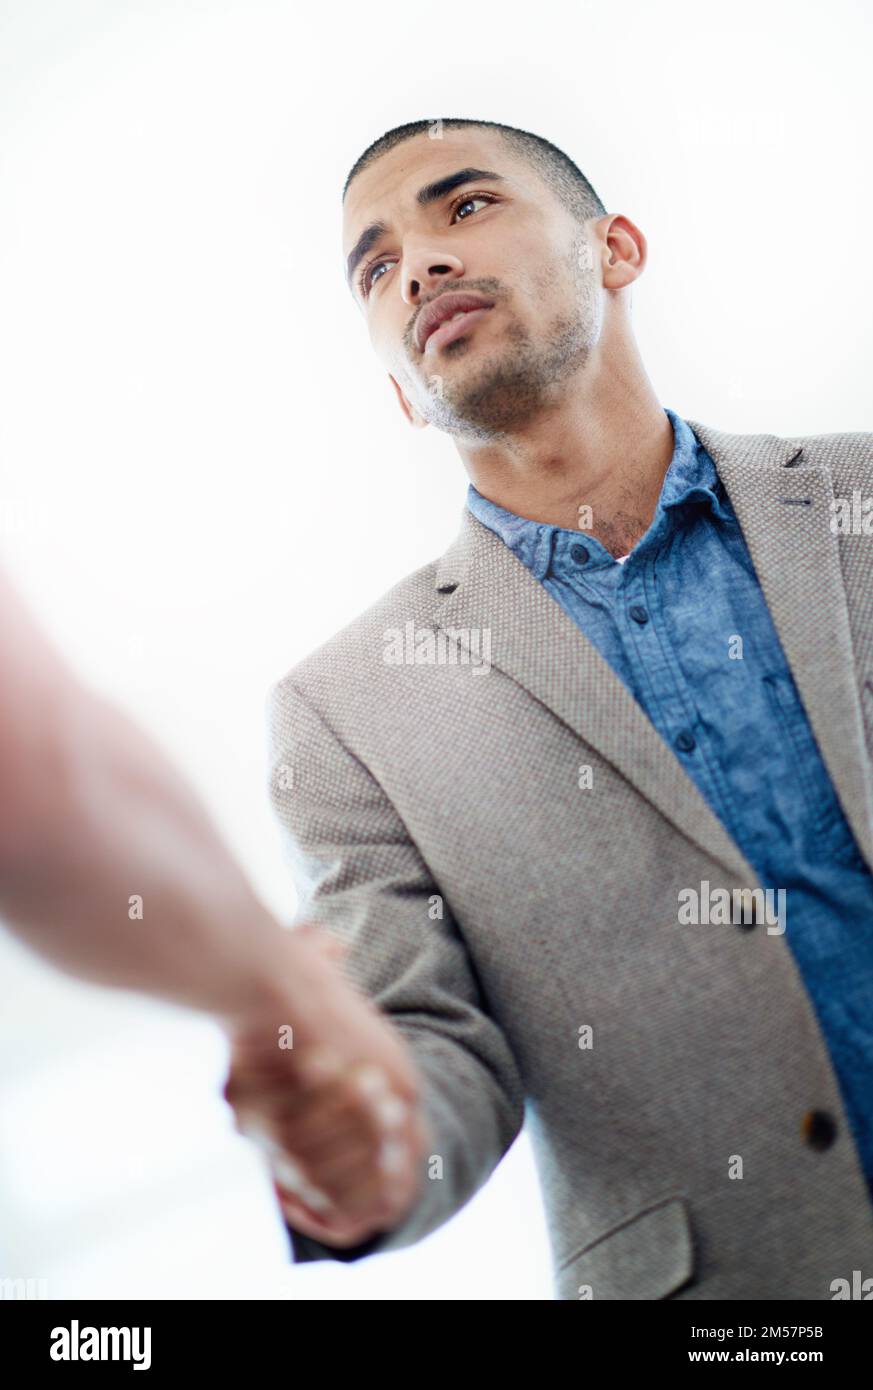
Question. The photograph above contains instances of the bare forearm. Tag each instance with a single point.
(109, 865)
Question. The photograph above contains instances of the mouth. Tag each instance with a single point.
(453, 328)
(448, 317)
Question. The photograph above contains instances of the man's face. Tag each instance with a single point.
(504, 239)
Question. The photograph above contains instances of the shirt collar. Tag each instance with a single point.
(690, 478)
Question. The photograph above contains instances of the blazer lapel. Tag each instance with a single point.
(781, 493)
(485, 586)
(538, 645)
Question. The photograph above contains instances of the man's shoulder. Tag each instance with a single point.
(836, 442)
(834, 450)
(355, 652)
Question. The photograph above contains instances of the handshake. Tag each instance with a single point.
(91, 812)
(337, 1113)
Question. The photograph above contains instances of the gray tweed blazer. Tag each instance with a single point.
(473, 801)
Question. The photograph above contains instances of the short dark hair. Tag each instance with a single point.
(557, 169)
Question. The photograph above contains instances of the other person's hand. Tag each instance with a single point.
(338, 1113)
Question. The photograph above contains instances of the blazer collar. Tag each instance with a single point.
(780, 492)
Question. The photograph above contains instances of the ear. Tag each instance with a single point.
(624, 250)
(409, 411)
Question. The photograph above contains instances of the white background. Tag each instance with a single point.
(204, 472)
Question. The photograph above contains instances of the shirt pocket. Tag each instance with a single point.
(831, 833)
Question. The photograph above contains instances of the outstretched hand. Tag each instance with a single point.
(337, 1114)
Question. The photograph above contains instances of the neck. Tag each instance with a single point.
(605, 447)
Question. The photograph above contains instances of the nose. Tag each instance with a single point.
(424, 268)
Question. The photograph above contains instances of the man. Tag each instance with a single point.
(111, 869)
(588, 798)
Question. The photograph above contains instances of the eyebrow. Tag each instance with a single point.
(430, 193)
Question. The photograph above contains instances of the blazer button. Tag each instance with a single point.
(745, 909)
(818, 1129)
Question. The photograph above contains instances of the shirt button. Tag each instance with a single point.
(579, 554)
(818, 1129)
(685, 741)
(638, 613)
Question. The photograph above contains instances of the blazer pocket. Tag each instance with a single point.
(648, 1256)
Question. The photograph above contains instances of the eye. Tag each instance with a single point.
(472, 198)
(368, 278)
(367, 281)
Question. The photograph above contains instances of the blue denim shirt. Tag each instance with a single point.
(667, 619)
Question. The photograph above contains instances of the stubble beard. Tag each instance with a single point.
(515, 382)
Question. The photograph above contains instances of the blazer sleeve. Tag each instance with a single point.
(360, 874)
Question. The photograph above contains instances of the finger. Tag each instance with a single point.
(258, 1054)
(338, 1148)
(338, 1153)
(377, 1182)
(336, 1231)
(360, 1195)
(292, 1075)
(361, 1090)
(307, 1068)
(340, 1119)
(293, 1179)
(354, 1176)
(320, 1121)
(359, 1199)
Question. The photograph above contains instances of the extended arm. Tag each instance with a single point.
(94, 820)
(365, 880)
